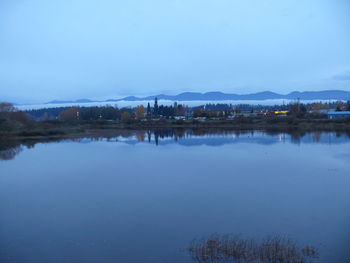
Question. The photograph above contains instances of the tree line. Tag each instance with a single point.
(113, 113)
(109, 112)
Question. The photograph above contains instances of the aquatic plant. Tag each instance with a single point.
(231, 248)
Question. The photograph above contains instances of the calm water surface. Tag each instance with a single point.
(142, 197)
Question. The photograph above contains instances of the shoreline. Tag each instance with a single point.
(56, 129)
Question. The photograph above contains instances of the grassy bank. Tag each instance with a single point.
(59, 128)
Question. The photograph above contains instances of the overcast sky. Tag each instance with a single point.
(71, 49)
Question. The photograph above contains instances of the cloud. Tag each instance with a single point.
(343, 76)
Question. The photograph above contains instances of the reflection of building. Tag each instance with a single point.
(338, 115)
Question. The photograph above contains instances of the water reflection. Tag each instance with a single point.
(10, 148)
(9, 151)
(121, 198)
(186, 137)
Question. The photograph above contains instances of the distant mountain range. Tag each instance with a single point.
(220, 96)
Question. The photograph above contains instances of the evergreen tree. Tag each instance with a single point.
(149, 112)
(155, 108)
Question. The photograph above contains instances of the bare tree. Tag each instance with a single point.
(71, 114)
(140, 112)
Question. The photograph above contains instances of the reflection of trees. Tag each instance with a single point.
(296, 136)
(229, 248)
(140, 135)
(348, 133)
(10, 153)
(10, 148)
(149, 134)
(316, 136)
(156, 136)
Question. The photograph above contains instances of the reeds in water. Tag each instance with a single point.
(230, 248)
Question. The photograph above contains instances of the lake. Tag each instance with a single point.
(142, 196)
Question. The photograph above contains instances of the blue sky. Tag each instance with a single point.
(70, 49)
